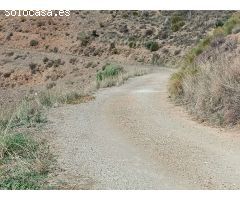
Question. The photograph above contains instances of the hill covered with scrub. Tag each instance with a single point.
(208, 83)
(66, 53)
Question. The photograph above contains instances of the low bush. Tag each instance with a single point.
(19, 180)
(119, 77)
(25, 162)
(16, 144)
(152, 45)
(219, 23)
(177, 22)
(108, 71)
(85, 39)
(33, 43)
(72, 98)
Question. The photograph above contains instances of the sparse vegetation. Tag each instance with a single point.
(45, 60)
(25, 162)
(75, 98)
(29, 114)
(33, 43)
(50, 98)
(73, 61)
(85, 39)
(108, 71)
(33, 67)
(91, 64)
(152, 45)
(113, 75)
(177, 22)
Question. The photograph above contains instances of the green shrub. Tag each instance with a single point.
(23, 181)
(176, 22)
(17, 144)
(33, 43)
(231, 23)
(219, 23)
(25, 162)
(194, 52)
(152, 45)
(109, 71)
(116, 76)
(176, 27)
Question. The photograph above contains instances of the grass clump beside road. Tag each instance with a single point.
(25, 160)
(29, 113)
(49, 98)
(114, 75)
(109, 71)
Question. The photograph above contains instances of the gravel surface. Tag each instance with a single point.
(132, 137)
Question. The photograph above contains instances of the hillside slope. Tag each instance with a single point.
(208, 82)
(66, 52)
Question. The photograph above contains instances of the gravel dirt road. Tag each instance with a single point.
(133, 137)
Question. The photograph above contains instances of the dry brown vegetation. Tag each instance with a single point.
(213, 94)
(208, 82)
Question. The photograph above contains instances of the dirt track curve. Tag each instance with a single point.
(132, 137)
